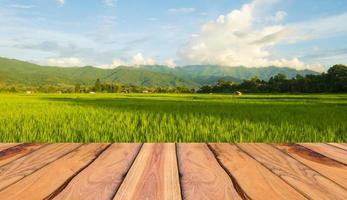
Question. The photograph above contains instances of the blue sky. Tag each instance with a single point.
(107, 33)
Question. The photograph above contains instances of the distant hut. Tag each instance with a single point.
(238, 93)
(145, 91)
(91, 92)
(29, 92)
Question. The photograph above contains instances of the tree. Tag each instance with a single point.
(78, 88)
(97, 85)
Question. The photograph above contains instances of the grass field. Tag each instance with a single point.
(172, 118)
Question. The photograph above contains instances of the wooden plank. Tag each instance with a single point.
(48, 179)
(16, 170)
(104, 176)
(329, 151)
(255, 180)
(154, 175)
(4, 146)
(303, 178)
(330, 168)
(16, 152)
(340, 145)
(201, 175)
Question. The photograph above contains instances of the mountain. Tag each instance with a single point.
(24, 73)
(204, 74)
(15, 72)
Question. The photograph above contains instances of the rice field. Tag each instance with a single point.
(172, 118)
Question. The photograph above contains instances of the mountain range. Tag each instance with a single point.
(16, 72)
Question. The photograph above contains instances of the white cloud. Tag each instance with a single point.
(170, 63)
(111, 3)
(246, 36)
(21, 6)
(278, 17)
(65, 62)
(181, 10)
(139, 59)
(61, 2)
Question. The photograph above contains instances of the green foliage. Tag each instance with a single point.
(172, 118)
(335, 81)
(28, 76)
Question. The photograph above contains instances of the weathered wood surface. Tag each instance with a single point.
(329, 151)
(341, 145)
(154, 175)
(173, 171)
(255, 179)
(18, 169)
(104, 176)
(328, 167)
(201, 175)
(14, 152)
(304, 179)
(47, 181)
(4, 146)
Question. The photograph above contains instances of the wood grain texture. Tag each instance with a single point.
(16, 152)
(45, 181)
(153, 175)
(328, 167)
(303, 178)
(103, 177)
(16, 170)
(4, 146)
(201, 175)
(340, 145)
(256, 180)
(329, 151)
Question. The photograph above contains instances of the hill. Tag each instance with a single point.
(206, 74)
(24, 73)
(15, 72)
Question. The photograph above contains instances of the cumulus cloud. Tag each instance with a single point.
(139, 59)
(65, 62)
(245, 37)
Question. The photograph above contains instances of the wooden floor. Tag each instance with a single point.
(173, 171)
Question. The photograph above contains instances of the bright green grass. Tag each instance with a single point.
(173, 118)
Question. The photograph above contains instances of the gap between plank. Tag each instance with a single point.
(63, 186)
(44, 145)
(41, 166)
(335, 146)
(179, 171)
(236, 185)
(309, 166)
(295, 188)
(131, 164)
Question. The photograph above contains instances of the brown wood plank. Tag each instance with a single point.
(201, 175)
(154, 175)
(329, 151)
(303, 178)
(255, 180)
(48, 179)
(340, 145)
(16, 152)
(330, 168)
(104, 176)
(16, 170)
(4, 146)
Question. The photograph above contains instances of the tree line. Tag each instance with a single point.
(334, 81)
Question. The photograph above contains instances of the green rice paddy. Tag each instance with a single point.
(172, 118)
